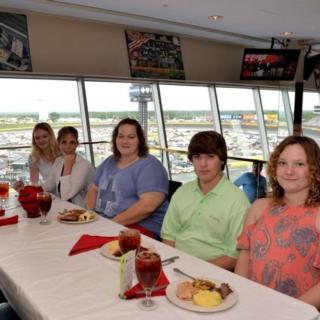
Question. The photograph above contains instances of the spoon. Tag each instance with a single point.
(183, 273)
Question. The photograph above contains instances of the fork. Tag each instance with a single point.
(183, 273)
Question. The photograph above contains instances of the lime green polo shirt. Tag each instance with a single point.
(206, 225)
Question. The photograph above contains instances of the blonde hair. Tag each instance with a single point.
(36, 151)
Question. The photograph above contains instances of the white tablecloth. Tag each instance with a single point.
(42, 282)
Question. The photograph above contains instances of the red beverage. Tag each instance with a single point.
(44, 202)
(4, 189)
(148, 267)
(129, 240)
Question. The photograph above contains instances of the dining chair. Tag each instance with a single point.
(173, 186)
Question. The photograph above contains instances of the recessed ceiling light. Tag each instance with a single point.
(215, 17)
(286, 33)
(165, 5)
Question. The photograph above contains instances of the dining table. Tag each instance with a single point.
(43, 282)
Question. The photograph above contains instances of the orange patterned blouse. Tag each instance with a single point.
(284, 249)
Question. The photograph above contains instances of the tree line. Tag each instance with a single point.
(117, 115)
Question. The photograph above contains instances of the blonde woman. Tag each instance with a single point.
(44, 152)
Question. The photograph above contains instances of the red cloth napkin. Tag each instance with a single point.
(87, 242)
(32, 209)
(10, 220)
(132, 293)
(29, 194)
(28, 200)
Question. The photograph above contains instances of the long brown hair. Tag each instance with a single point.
(36, 151)
(142, 147)
(312, 151)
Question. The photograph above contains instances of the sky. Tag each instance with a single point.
(34, 95)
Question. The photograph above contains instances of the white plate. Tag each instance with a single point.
(105, 251)
(78, 222)
(227, 303)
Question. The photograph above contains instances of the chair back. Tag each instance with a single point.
(173, 186)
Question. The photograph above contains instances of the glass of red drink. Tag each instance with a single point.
(148, 268)
(129, 239)
(4, 192)
(44, 201)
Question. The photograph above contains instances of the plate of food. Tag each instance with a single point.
(202, 295)
(111, 250)
(77, 216)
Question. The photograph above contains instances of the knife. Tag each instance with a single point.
(169, 260)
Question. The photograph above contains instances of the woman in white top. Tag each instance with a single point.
(44, 152)
(71, 174)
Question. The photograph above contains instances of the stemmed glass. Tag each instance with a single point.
(148, 268)
(4, 193)
(129, 239)
(44, 201)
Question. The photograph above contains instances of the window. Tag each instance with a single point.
(24, 102)
(239, 122)
(274, 117)
(109, 102)
(186, 111)
(310, 115)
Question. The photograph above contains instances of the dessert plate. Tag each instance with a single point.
(106, 251)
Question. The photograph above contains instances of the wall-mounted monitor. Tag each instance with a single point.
(269, 64)
(310, 63)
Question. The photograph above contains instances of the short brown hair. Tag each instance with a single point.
(312, 151)
(208, 142)
(142, 147)
(67, 130)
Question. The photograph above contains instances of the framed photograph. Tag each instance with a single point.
(14, 43)
(154, 56)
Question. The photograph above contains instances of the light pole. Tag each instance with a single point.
(142, 94)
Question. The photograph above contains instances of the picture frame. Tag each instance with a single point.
(154, 56)
(14, 43)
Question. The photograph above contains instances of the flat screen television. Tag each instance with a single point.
(269, 64)
(310, 62)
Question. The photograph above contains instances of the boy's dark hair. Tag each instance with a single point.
(208, 142)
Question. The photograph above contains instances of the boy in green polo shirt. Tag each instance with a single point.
(205, 216)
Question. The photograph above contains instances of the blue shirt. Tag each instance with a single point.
(119, 189)
(252, 185)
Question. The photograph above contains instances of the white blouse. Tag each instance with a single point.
(73, 187)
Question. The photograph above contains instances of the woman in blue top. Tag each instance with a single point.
(131, 186)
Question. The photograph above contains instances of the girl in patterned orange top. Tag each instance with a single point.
(279, 245)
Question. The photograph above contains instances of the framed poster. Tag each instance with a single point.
(14, 43)
(154, 56)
